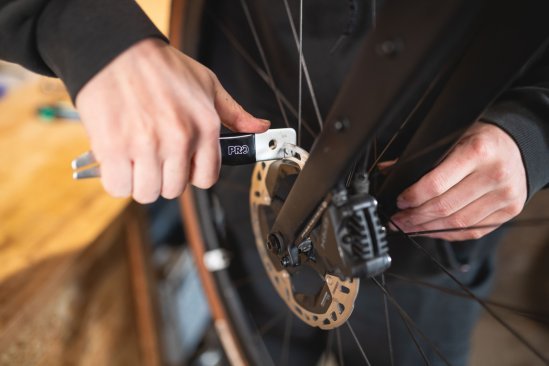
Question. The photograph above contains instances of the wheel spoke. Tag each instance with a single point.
(284, 356)
(303, 64)
(534, 316)
(262, 330)
(403, 125)
(373, 11)
(328, 350)
(420, 154)
(387, 322)
(300, 75)
(339, 348)
(408, 322)
(514, 223)
(260, 72)
(360, 348)
(264, 59)
(495, 316)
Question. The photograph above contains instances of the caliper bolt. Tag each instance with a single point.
(305, 245)
(285, 261)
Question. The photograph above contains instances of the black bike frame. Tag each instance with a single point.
(467, 52)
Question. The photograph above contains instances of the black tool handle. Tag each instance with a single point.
(237, 148)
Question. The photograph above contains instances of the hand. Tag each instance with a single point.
(482, 181)
(153, 118)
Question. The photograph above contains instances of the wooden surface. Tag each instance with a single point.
(159, 12)
(43, 212)
(74, 285)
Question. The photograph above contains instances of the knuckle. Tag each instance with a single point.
(457, 222)
(178, 137)
(211, 121)
(479, 147)
(207, 72)
(112, 151)
(514, 209)
(177, 144)
(442, 208)
(475, 234)
(500, 172)
(211, 78)
(508, 193)
(434, 186)
(211, 130)
(145, 143)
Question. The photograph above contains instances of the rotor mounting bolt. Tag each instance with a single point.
(274, 243)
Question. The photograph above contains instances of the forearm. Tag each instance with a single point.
(524, 115)
(71, 39)
(523, 112)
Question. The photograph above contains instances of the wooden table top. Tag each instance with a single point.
(44, 213)
(46, 218)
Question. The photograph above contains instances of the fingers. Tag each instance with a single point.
(470, 215)
(175, 174)
(481, 181)
(456, 198)
(233, 116)
(451, 171)
(116, 176)
(477, 230)
(153, 117)
(146, 179)
(206, 162)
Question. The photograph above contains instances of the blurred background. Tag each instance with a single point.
(86, 279)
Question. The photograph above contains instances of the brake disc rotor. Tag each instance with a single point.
(325, 305)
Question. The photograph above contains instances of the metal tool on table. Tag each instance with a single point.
(236, 149)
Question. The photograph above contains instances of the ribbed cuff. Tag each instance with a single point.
(77, 38)
(526, 119)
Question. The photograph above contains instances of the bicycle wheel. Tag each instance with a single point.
(220, 232)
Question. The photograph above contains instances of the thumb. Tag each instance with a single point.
(233, 116)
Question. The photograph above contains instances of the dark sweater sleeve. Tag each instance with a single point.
(70, 39)
(523, 112)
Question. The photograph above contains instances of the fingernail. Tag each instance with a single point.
(265, 121)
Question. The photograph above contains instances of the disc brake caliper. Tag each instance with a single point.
(360, 234)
